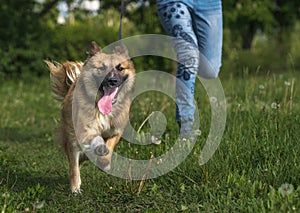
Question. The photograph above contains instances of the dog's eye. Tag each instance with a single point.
(119, 67)
(103, 67)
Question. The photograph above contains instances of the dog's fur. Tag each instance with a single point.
(84, 130)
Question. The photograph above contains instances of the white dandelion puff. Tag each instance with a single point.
(274, 105)
(197, 132)
(159, 161)
(155, 140)
(6, 195)
(287, 83)
(286, 189)
(39, 204)
(261, 86)
(213, 100)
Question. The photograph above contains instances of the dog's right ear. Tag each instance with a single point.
(94, 48)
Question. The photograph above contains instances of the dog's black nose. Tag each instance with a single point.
(113, 81)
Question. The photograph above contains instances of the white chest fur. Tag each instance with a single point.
(105, 123)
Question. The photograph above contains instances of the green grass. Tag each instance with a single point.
(259, 153)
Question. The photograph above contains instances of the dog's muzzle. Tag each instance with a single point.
(113, 81)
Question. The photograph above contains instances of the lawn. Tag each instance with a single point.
(256, 168)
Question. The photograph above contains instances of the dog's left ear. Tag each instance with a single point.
(94, 48)
(121, 50)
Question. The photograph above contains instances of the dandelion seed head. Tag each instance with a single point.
(155, 140)
(261, 86)
(287, 83)
(6, 195)
(213, 100)
(184, 140)
(39, 204)
(167, 136)
(159, 161)
(197, 132)
(286, 189)
(274, 105)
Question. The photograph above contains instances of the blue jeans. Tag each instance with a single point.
(197, 28)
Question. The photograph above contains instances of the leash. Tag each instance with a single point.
(121, 17)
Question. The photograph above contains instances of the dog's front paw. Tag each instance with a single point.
(99, 146)
(101, 150)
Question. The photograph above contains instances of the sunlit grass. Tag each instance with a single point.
(255, 169)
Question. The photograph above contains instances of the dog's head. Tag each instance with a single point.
(111, 75)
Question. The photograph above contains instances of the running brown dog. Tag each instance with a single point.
(95, 98)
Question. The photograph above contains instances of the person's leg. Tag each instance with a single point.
(209, 30)
(177, 21)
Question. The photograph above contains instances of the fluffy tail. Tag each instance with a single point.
(62, 76)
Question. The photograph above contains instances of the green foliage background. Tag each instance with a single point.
(259, 36)
(259, 154)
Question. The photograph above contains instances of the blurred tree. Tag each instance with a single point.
(22, 36)
(141, 12)
(26, 25)
(244, 18)
(286, 14)
(47, 6)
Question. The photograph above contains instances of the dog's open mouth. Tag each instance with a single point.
(108, 99)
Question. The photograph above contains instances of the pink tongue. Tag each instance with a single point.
(105, 103)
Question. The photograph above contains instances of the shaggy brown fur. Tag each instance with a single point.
(88, 127)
